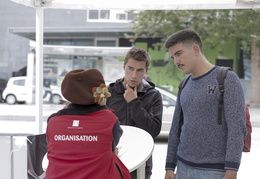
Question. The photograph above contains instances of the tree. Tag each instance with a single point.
(216, 27)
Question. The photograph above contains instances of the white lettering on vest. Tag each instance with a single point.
(76, 138)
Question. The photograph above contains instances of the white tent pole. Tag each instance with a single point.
(39, 70)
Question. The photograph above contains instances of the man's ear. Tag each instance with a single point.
(196, 49)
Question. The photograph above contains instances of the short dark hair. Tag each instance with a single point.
(185, 36)
(138, 54)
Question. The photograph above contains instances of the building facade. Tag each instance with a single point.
(85, 39)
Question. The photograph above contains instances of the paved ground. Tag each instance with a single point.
(20, 119)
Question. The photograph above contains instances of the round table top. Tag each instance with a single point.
(135, 147)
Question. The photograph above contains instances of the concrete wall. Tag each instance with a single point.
(13, 49)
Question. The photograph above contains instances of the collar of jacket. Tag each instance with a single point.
(75, 109)
(118, 86)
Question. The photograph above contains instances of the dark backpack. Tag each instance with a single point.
(221, 75)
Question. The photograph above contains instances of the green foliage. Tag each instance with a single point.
(216, 27)
(247, 26)
(223, 32)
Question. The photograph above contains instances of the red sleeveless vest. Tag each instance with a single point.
(80, 147)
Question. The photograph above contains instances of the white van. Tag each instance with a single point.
(20, 89)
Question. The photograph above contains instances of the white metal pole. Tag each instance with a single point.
(30, 77)
(39, 70)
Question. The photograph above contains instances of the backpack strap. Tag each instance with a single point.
(181, 86)
(221, 75)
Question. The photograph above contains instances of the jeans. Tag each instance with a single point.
(187, 172)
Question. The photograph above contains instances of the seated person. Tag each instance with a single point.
(82, 137)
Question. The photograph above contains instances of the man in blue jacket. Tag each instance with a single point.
(135, 101)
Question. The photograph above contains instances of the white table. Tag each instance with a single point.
(135, 148)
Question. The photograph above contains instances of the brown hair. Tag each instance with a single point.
(138, 54)
(185, 36)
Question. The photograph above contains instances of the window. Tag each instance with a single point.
(69, 42)
(109, 15)
(106, 43)
(82, 42)
(57, 42)
(93, 14)
(168, 101)
(121, 16)
(19, 82)
(124, 16)
(130, 16)
(98, 14)
(104, 14)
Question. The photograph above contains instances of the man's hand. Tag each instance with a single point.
(116, 150)
(130, 93)
(230, 174)
(169, 174)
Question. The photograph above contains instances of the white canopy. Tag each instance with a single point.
(40, 5)
(143, 4)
